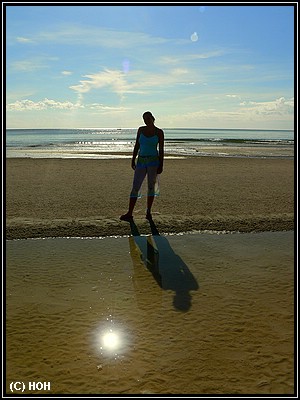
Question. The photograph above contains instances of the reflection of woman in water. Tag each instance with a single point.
(144, 255)
(150, 162)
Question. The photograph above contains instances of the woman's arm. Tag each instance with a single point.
(136, 149)
(161, 151)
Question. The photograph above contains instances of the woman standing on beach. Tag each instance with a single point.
(150, 162)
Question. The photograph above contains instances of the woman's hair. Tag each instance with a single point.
(148, 113)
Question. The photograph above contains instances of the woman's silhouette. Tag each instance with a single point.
(150, 162)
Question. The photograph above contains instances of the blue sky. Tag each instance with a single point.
(214, 66)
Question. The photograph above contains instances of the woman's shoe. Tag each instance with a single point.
(126, 217)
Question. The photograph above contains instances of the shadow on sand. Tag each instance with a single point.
(167, 268)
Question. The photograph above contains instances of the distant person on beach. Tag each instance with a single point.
(149, 162)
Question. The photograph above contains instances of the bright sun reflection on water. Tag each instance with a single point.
(111, 341)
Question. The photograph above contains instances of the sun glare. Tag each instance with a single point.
(111, 341)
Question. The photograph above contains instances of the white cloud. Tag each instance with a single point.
(108, 78)
(24, 40)
(106, 109)
(66, 72)
(133, 82)
(280, 106)
(45, 104)
(233, 96)
(248, 113)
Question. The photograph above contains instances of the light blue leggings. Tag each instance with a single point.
(138, 179)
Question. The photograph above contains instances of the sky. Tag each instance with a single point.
(192, 66)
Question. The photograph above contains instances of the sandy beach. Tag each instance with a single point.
(99, 306)
(144, 315)
(59, 197)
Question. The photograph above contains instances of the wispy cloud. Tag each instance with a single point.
(115, 80)
(233, 96)
(92, 36)
(135, 82)
(66, 72)
(33, 64)
(192, 57)
(26, 66)
(24, 40)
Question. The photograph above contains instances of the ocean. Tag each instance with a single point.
(118, 143)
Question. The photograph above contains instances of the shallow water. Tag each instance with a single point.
(192, 313)
(118, 143)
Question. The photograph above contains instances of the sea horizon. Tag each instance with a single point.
(119, 142)
(168, 128)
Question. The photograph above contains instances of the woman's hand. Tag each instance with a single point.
(160, 169)
(133, 164)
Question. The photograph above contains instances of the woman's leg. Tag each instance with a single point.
(132, 202)
(152, 176)
(139, 176)
(150, 200)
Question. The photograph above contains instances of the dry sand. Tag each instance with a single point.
(59, 197)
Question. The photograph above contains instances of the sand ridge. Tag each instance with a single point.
(59, 197)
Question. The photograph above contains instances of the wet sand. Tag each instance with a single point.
(186, 314)
(63, 197)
